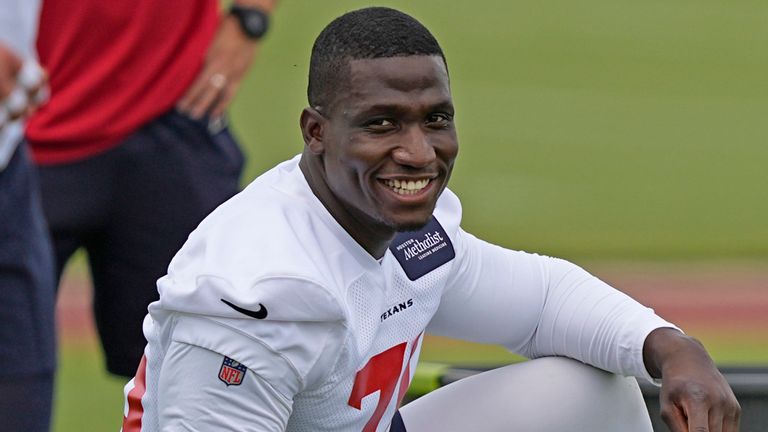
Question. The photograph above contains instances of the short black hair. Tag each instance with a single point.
(374, 32)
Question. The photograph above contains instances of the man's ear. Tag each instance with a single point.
(312, 124)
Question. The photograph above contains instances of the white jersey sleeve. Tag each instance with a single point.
(193, 397)
(213, 363)
(540, 306)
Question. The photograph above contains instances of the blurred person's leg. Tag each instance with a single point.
(76, 200)
(25, 403)
(27, 298)
(171, 174)
(543, 395)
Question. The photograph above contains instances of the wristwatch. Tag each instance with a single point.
(253, 21)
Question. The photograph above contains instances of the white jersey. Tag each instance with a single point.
(273, 318)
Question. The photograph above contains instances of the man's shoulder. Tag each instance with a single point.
(246, 303)
(263, 204)
(291, 298)
(271, 225)
(259, 240)
(268, 242)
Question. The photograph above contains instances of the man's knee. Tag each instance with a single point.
(585, 397)
(546, 394)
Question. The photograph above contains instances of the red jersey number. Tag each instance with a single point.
(382, 373)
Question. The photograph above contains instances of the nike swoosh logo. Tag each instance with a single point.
(259, 314)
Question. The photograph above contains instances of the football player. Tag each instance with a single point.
(301, 304)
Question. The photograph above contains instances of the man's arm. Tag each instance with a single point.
(198, 391)
(539, 306)
(694, 395)
(226, 64)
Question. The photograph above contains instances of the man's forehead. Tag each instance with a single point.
(380, 82)
(418, 70)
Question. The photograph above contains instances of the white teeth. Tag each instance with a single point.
(409, 187)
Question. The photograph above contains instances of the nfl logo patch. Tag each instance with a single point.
(231, 372)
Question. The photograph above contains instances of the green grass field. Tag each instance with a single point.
(600, 131)
(597, 129)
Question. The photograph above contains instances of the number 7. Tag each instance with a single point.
(381, 374)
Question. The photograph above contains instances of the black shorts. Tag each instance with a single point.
(132, 207)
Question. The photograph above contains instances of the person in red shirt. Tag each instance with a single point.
(132, 147)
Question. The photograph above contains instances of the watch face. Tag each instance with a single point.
(255, 24)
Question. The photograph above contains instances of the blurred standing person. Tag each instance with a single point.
(27, 290)
(132, 148)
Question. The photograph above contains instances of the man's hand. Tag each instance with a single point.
(22, 86)
(226, 64)
(10, 65)
(694, 395)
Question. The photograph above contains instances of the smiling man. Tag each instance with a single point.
(301, 303)
(381, 145)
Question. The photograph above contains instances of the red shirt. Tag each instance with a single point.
(114, 66)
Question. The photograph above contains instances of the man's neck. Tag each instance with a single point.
(373, 236)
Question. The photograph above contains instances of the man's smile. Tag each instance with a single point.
(407, 187)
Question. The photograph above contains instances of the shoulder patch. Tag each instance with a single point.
(420, 252)
(232, 372)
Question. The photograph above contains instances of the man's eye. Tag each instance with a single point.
(380, 125)
(439, 120)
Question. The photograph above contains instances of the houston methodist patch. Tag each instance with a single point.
(231, 372)
(420, 252)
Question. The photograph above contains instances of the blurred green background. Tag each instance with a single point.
(599, 131)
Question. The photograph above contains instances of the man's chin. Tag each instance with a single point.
(409, 220)
(411, 225)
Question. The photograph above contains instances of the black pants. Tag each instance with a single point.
(131, 208)
(397, 423)
(27, 295)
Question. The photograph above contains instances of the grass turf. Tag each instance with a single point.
(600, 130)
(86, 398)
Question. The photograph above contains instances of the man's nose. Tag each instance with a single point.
(415, 149)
